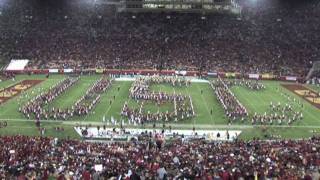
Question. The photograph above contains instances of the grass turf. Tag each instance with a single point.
(112, 102)
(259, 101)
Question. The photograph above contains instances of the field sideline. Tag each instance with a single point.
(203, 104)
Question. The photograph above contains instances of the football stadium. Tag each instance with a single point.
(159, 89)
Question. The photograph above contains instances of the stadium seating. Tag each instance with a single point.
(40, 157)
(268, 37)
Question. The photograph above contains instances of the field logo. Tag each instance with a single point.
(314, 100)
(308, 94)
(9, 92)
(22, 86)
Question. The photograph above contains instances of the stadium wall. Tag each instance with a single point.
(265, 76)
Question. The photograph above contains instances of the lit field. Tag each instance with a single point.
(113, 100)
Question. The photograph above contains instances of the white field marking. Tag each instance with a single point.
(187, 91)
(39, 85)
(305, 103)
(132, 79)
(73, 100)
(203, 126)
(86, 84)
(294, 106)
(23, 127)
(205, 104)
(175, 102)
(112, 102)
(261, 99)
(9, 85)
(191, 78)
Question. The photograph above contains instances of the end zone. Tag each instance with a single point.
(14, 90)
(308, 94)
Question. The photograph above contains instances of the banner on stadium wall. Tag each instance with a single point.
(267, 76)
(230, 75)
(254, 76)
(68, 70)
(53, 70)
(212, 74)
(99, 71)
(183, 73)
(291, 78)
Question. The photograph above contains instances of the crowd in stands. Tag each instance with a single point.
(314, 81)
(40, 158)
(271, 36)
(7, 75)
(234, 110)
(38, 106)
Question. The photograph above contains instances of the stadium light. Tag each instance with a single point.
(2, 2)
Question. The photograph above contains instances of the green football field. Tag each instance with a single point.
(113, 100)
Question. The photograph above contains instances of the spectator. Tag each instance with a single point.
(269, 37)
(41, 157)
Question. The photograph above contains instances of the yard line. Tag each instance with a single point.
(9, 85)
(39, 85)
(205, 104)
(117, 94)
(193, 118)
(68, 103)
(305, 103)
(108, 90)
(159, 106)
(188, 125)
(303, 122)
(23, 127)
(283, 100)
